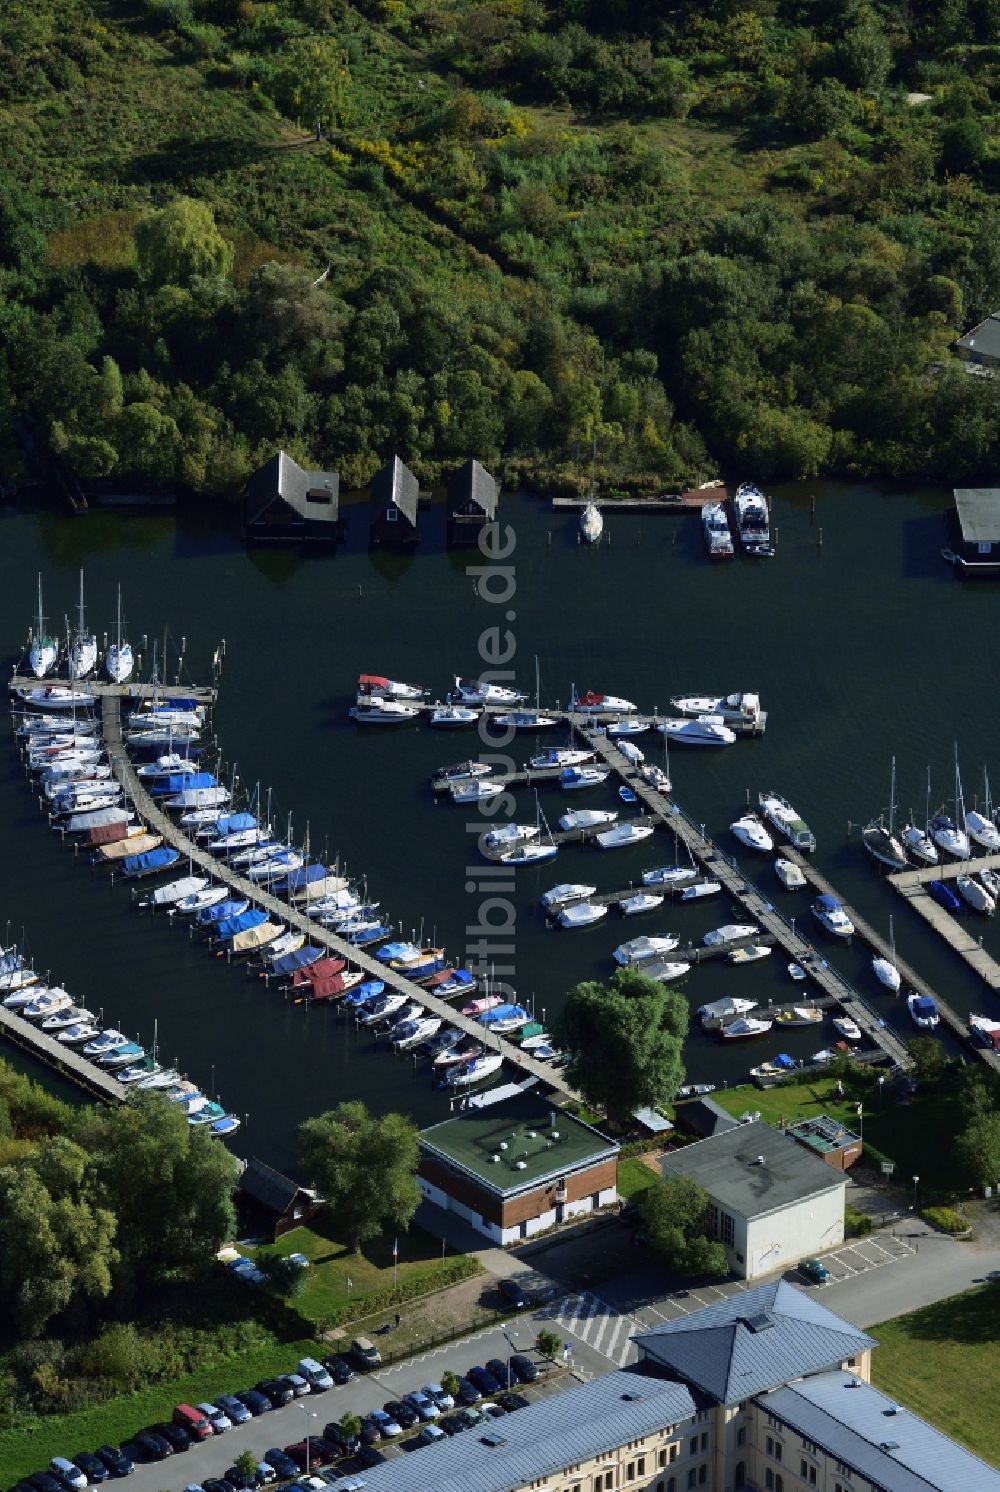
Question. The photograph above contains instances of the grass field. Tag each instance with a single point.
(634, 1176)
(942, 1362)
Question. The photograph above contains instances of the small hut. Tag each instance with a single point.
(284, 503)
(473, 496)
(395, 498)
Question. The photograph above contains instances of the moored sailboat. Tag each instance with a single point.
(44, 651)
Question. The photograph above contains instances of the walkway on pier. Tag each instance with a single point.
(910, 884)
(102, 689)
(56, 1054)
(720, 868)
(219, 870)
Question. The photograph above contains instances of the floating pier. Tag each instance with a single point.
(101, 689)
(912, 886)
(56, 1054)
(669, 502)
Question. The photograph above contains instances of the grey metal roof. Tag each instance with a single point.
(268, 1187)
(542, 1440)
(984, 339)
(396, 486)
(753, 1342)
(978, 510)
(753, 1170)
(703, 1116)
(896, 1451)
(282, 479)
(473, 483)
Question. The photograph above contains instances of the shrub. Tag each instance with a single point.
(946, 1219)
(856, 1224)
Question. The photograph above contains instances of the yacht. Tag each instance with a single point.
(704, 730)
(529, 854)
(480, 692)
(618, 729)
(700, 889)
(83, 648)
(949, 837)
(923, 1011)
(750, 831)
(980, 826)
(582, 914)
(118, 660)
(107, 1041)
(475, 1071)
(800, 1015)
(753, 522)
(638, 902)
(371, 684)
(562, 756)
(663, 971)
(505, 836)
(526, 720)
(476, 790)
(378, 711)
(779, 812)
(573, 778)
(975, 895)
(453, 716)
(748, 955)
(44, 651)
(628, 749)
(846, 1027)
(563, 894)
(591, 523)
(590, 703)
(884, 969)
(672, 876)
(643, 950)
(744, 1027)
(731, 932)
(623, 834)
(789, 874)
(743, 708)
(461, 771)
(587, 818)
(829, 912)
(717, 533)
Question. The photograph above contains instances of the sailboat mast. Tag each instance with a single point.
(41, 619)
(959, 800)
(119, 619)
(82, 628)
(892, 796)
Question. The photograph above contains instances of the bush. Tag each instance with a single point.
(946, 1219)
(874, 1156)
(856, 1224)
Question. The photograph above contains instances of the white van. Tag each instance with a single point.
(315, 1374)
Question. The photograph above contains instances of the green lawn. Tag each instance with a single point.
(634, 1176)
(942, 1362)
(370, 1272)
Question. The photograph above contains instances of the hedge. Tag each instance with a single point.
(946, 1219)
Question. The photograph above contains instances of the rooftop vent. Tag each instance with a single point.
(759, 1161)
(503, 1144)
(493, 1440)
(891, 1410)
(889, 1445)
(853, 1383)
(630, 1396)
(532, 1134)
(758, 1323)
(555, 1134)
(522, 1165)
(494, 1158)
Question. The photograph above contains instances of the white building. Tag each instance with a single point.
(771, 1202)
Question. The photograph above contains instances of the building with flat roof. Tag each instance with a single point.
(766, 1392)
(518, 1167)
(770, 1201)
(832, 1141)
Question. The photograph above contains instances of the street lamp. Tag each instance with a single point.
(309, 1414)
(915, 1181)
(513, 1346)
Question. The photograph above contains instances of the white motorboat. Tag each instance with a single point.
(730, 932)
(701, 889)
(482, 692)
(664, 971)
(107, 1041)
(991, 880)
(788, 822)
(78, 1034)
(591, 523)
(461, 771)
(622, 835)
(505, 836)
(377, 686)
(196, 901)
(454, 716)
(591, 703)
(174, 891)
(170, 764)
(618, 730)
(43, 653)
(717, 534)
(750, 831)
(800, 1015)
(377, 711)
(526, 720)
(744, 1027)
(572, 778)
(885, 968)
(587, 818)
(789, 874)
(717, 1012)
(68, 1015)
(780, 1067)
(423, 1028)
(582, 914)
(562, 756)
(923, 1011)
(638, 902)
(672, 876)
(643, 950)
(655, 777)
(753, 522)
(475, 790)
(119, 660)
(829, 912)
(704, 730)
(529, 854)
(695, 1090)
(748, 955)
(563, 894)
(975, 895)
(83, 648)
(476, 1071)
(743, 708)
(796, 972)
(847, 1028)
(48, 1002)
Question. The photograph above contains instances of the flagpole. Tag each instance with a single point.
(395, 1262)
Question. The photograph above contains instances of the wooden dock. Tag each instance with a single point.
(281, 911)
(64, 1059)
(671, 502)
(719, 867)
(102, 689)
(911, 885)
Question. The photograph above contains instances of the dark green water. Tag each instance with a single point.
(861, 649)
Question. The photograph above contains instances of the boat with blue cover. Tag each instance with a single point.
(298, 880)
(397, 950)
(299, 958)
(460, 983)
(242, 922)
(229, 823)
(152, 861)
(362, 993)
(177, 782)
(364, 937)
(945, 897)
(211, 916)
(505, 1018)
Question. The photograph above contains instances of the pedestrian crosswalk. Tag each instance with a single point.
(601, 1326)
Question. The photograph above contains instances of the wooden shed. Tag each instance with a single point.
(473, 497)
(285, 503)
(395, 499)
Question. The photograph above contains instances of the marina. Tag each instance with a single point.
(62, 1059)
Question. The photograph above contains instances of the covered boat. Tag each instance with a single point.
(622, 835)
(704, 730)
(717, 1012)
(644, 950)
(582, 914)
(151, 861)
(231, 927)
(213, 916)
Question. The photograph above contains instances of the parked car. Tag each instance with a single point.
(298, 1384)
(512, 1295)
(492, 1410)
(428, 1435)
(511, 1402)
(255, 1401)
(523, 1369)
(501, 1371)
(233, 1408)
(241, 1481)
(44, 1481)
(371, 1431)
(265, 1475)
(469, 1417)
(178, 1440)
(347, 1445)
(152, 1445)
(217, 1484)
(281, 1461)
(404, 1414)
(364, 1351)
(278, 1390)
(314, 1456)
(194, 1421)
(451, 1424)
(815, 1271)
(484, 1380)
(69, 1475)
(468, 1393)
(315, 1374)
(423, 1404)
(368, 1456)
(94, 1470)
(115, 1460)
(339, 1369)
(387, 1424)
(216, 1417)
(437, 1396)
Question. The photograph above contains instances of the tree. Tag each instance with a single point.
(624, 1041)
(865, 53)
(246, 1464)
(181, 242)
(449, 1382)
(313, 80)
(351, 1425)
(282, 1275)
(548, 1343)
(963, 146)
(978, 1148)
(931, 1066)
(363, 1167)
(673, 1213)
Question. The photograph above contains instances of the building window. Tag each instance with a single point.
(843, 1470)
(692, 1477)
(641, 1466)
(391, 515)
(807, 1445)
(661, 1457)
(675, 1450)
(693, 1446)
(702, 1474)
(704, 1440)
(769, 1478)
(812, 1476)
(770, 1445)
(727, 1229)
(630, 1472)
(740, 1475)
(609, 1480)
(779, 1482)
(741, 1435)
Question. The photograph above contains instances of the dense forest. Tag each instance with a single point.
(737, 234)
